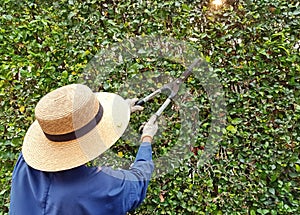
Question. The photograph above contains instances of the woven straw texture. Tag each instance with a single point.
(66, 110)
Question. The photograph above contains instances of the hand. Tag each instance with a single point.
(150, 129)
(133, 107)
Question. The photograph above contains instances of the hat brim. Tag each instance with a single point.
(42, 154)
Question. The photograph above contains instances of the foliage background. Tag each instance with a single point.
(253, 45)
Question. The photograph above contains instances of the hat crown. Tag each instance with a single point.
(66, 109)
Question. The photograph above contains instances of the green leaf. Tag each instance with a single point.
(64, 74)
(272, 191)
(231, 129)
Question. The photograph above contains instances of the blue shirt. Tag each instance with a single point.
(82, 190)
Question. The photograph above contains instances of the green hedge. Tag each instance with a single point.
(253, 46)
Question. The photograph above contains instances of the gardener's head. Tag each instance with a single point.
(73, 126)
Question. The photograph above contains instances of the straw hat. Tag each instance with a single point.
(73, 126)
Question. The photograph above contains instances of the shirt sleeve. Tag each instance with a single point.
(142, 168)
(136, 178)
(144, 153)
(143, 165)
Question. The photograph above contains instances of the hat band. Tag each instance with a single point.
(79, 132)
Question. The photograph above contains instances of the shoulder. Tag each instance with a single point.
(20, 165)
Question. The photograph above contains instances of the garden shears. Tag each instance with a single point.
(172, 88)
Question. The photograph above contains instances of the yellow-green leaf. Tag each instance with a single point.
(231, 128)
(120, 154)
(22, 109)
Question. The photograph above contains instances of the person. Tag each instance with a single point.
(73, 126)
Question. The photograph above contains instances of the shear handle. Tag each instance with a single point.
(147, 98)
